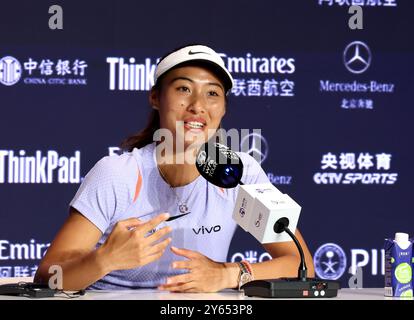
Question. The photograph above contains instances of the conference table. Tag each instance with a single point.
(153, 294)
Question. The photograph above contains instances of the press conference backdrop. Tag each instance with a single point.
(334, 106)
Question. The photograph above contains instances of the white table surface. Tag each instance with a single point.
(152, 294)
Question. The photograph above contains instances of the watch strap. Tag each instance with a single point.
(245, 270)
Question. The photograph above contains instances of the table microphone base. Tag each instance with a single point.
(292, 288)
(27, 289)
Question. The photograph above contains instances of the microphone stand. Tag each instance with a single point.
(229, 176)
(282, 225)
(299, 287)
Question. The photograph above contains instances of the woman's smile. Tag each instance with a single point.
(195, 124)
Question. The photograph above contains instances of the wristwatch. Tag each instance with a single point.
(245, 274)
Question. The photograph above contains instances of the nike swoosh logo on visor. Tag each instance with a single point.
(197, 52)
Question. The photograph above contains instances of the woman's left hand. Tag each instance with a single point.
(204, 274)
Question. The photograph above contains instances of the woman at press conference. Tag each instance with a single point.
(144, 219)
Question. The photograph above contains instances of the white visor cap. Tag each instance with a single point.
(195, 53)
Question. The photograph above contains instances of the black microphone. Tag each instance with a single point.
(221, 166)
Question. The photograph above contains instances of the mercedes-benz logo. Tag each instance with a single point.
(357, 57)
(255, 145)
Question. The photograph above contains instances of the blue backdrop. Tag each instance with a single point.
(333, 104)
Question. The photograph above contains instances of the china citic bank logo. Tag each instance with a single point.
(357, 57)
(10, 71)
(43, 71)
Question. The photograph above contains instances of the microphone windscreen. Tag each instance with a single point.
(219, 165)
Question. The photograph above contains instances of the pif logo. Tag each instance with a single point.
(330, 261)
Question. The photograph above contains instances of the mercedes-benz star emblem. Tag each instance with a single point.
(357, 57)
(255, 145)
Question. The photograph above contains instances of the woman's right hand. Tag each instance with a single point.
(129, 245)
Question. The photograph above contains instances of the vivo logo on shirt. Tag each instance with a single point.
(204, 230)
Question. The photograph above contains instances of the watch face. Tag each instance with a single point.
(245, 277)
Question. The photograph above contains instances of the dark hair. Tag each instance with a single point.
(145, 136)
